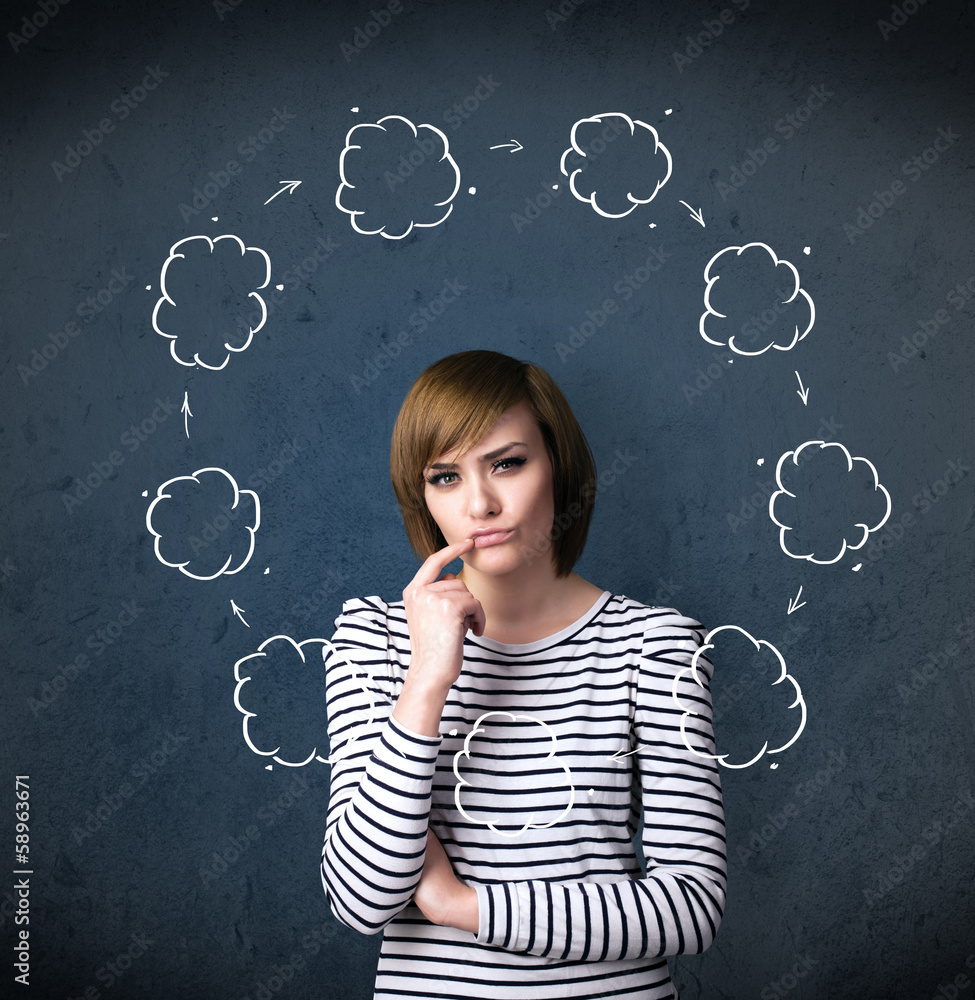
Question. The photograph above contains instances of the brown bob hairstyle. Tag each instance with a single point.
(453, 404)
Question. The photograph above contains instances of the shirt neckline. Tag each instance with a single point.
(521, 648)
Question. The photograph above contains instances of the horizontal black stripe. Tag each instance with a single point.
(572, 891)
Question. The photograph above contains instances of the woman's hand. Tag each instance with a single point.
(438, 615)
(441, 897)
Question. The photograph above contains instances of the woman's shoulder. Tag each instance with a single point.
(365, 606)
(653, 616)
(363, 621)
(373, 621)
(373, 608)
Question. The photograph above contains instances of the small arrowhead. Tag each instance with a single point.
(513, 146)
(185, 409)
(289, 186)
(697, 216)
(801, 392)
(794, 604)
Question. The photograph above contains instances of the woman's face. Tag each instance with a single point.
(500, 493)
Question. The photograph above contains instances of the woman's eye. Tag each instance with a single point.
(502, 465)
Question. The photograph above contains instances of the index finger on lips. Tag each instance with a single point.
(434, 564)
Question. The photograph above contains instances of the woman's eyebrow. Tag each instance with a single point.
(484, 458)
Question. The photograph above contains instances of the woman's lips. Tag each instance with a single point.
(494, 538)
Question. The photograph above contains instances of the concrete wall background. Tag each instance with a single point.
(156, 834)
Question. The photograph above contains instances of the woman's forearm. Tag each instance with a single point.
(379, 808)
(421, 701)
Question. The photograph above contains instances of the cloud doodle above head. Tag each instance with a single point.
(209, 306)
(615, 163)
(282, 684)
(396, 176)
(753, 301)
(203, 525)
(517, 781)
(790, 699)
(827, 501)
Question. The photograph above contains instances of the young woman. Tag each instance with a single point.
(497, 735)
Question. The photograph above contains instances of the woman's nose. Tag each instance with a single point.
(482, 499)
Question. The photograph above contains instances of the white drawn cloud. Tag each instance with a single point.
(507, 787)
(192, 527)
(781, 677)
(209, 298)
(276, 675)
(827, 501)
(283, 682)
(599, 181)
(396, 176)
(753, 301)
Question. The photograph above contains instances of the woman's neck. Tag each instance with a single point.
(530, 603)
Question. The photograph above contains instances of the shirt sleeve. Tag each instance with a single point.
(678, 906)
(382, 776)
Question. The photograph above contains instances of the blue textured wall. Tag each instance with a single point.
(166, 859)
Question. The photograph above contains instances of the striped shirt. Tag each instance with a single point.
(536, 793)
